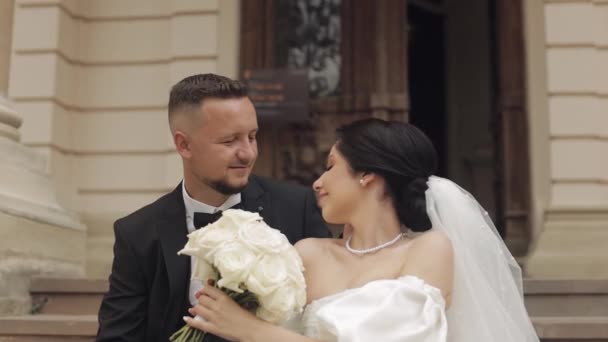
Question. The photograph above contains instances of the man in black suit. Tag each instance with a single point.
(214, 127)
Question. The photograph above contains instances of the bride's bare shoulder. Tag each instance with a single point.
(433, 240)
(431, 250)
(432, 258)
(311, 248)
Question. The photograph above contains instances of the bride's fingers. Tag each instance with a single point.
(207, 302)
(198, 324)
(202, 311)
(205, 326)
(212, 292)
(210, 282)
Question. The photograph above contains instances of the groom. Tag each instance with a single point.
(214, 128)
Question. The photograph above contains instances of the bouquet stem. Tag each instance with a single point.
(188, 334)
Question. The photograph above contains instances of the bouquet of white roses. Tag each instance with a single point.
(251, 262)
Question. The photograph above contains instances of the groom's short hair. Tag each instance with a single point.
(190, 92)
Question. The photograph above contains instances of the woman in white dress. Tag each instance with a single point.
(422, 262)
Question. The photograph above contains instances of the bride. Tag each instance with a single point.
(423, 261)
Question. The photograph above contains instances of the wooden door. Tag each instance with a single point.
(373, 78)
(512, 127)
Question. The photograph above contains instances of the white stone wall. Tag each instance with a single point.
(91, 80)
(577, 60)
(575, 52)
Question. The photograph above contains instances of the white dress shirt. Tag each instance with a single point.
(194, 206)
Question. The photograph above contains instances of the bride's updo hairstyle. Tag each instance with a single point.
(399, 153)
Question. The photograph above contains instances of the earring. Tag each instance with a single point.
(361, 181)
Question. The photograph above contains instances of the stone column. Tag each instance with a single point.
(35, 231)
(570, 46)
(6, 26)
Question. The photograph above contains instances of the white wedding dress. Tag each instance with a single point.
(487, 296)
(394, 310)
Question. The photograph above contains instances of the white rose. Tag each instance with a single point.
(268, 274)
(207, 241)
(203, 271)
(300, 295)
(231, 284)
(192, 246)
(233, 261)
(224, 223)
(271, 316)
(295, 267)
(281, 303)
(261, 238)
(238, 218)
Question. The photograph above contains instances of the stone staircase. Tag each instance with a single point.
(568, 310)
(66, 310)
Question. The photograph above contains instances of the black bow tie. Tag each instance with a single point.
(203, 219)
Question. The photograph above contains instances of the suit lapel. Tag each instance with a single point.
(173, 234)
(257, 200)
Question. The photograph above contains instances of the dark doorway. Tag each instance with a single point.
(451, 90)
(427, 77)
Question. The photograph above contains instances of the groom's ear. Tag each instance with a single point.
(182, 144)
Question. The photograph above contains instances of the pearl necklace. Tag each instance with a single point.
(372, 249)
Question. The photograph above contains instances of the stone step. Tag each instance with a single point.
(65, 296)
(81, 328)
(566, 297)
(543, 297)
(572, 329)
(48, 328)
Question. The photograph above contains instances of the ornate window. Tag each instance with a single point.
(309, 36)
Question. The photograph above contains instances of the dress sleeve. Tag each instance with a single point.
(403, 310)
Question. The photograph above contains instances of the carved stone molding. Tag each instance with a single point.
(34, 228)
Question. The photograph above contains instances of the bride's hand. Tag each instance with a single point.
(222, 315)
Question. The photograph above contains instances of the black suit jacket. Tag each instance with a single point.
(148, 294)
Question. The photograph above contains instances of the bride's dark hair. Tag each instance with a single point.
(398, 152)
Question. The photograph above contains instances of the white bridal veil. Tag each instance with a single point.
(487, 299)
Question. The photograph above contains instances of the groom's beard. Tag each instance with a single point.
(224, 188)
